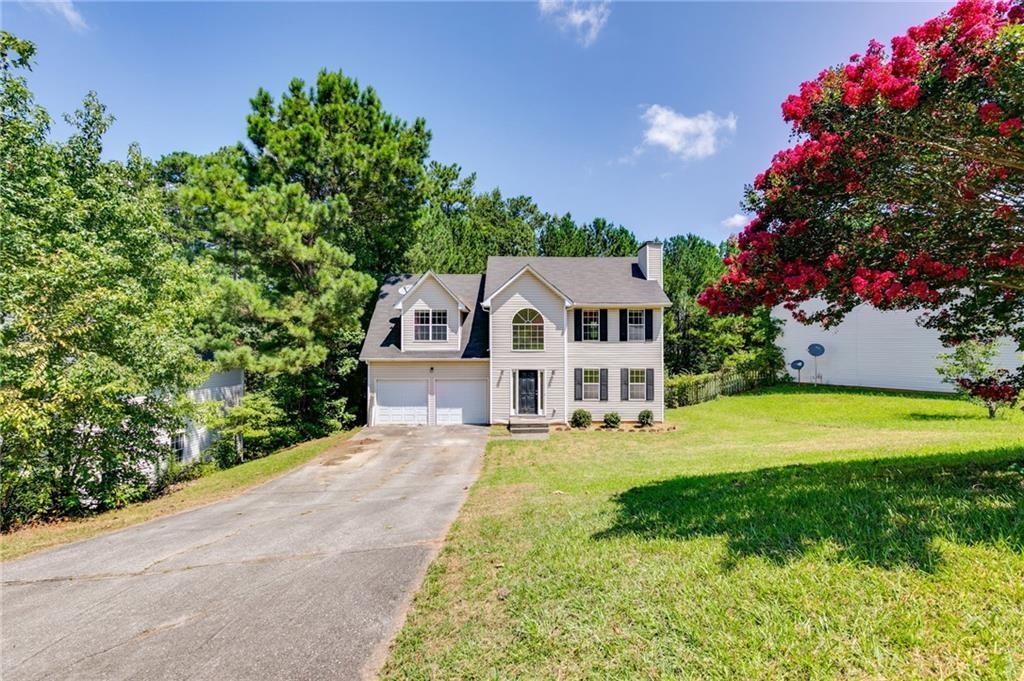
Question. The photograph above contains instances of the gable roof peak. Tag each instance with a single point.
(432, 275)
(527, 268)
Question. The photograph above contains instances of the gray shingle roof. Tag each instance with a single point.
(383, 334)
(587, 281)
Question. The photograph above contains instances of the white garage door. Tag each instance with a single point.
(461, 401)
(401, 402)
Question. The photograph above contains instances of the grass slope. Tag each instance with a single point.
(207, 489)
(792, 532)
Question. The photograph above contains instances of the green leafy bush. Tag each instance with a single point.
(646, 418)
(612, 419)
(249, 429)
(581, 419)
(693, 389)
(175, 472)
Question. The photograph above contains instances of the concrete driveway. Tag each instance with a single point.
(306, 577)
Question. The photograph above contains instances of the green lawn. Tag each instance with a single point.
(218, 485)
(791, 532)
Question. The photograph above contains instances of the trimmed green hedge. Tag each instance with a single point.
(688, 389)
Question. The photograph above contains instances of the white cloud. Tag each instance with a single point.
(736, 221)
(584, 19)
(65, 9)
(688, 137)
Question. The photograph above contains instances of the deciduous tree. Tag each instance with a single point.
(96, 312)
(906, 189)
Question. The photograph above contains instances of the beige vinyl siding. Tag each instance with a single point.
(615, 355)
(430, 296)
(527, 291)
(650, 260)
(420, 371)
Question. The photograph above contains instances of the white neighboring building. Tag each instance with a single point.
(223, 386)
(872, 348)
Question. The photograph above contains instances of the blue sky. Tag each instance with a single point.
(653, 115)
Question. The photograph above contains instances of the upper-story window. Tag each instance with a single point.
(527, 330)
(591, 325)
(430, 325)
(635, 319)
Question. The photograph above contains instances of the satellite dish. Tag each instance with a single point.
(797, 365)
(816, 350)
(403, 290)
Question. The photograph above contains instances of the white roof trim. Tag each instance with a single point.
(430, 273)
(622, 306)
(523, 270)
(427, 360)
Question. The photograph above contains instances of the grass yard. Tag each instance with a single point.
(218, 485)
(791, 532)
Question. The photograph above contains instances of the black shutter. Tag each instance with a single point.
(650, 385)
(649, 324)
(604, 385)
(579, 383)
(625, 384)
(623, 325)
(577, 326)
(604, 325)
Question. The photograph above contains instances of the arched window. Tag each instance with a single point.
(527, 330)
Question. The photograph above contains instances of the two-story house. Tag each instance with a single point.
(532, 336)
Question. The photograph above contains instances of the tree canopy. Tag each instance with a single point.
(906, 189)
(96, 312)
(458, 227)
(299, 226)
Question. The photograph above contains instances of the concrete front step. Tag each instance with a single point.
(526, 425)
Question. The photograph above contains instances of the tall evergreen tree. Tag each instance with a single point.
(561, 236)
(338, 143)
(459, 228)
(300, 222)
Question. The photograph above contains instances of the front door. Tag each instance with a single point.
(527, 391)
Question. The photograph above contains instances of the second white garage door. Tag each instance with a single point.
(461, 401)
(401, 402)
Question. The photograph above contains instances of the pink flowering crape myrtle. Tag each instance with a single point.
(905, 187)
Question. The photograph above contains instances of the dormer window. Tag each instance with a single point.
(430, 325)
(527, 330)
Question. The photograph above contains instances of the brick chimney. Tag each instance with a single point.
(649, 260)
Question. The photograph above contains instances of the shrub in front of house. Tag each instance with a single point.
(646, 418)
(612, 419)
(581, 419)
